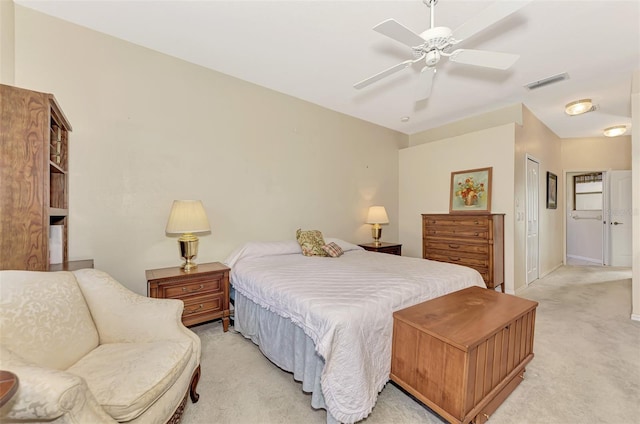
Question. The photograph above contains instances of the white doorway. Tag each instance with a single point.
(584, 220)
(598, 227)
(618, 218)
(532, 218)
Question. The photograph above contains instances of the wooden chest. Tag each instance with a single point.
(462, 354)
(476, 241)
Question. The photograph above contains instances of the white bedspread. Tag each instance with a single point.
(345, 305)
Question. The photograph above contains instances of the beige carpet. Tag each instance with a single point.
(586, 367)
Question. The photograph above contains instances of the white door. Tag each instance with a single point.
(533, 181)
(619, 217)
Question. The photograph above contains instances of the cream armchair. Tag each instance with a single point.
(88, 350)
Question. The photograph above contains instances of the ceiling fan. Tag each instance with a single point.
(436, 42)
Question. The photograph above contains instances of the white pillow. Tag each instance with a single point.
(345, 245)
(256, 249)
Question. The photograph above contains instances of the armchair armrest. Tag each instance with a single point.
(122, 316)
(47, 394)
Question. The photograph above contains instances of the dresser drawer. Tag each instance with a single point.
(456, 246)
(457, 232)
(197, 286)
(457, 221)
(454, 258)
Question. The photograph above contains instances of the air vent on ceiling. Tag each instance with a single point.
(547, 81)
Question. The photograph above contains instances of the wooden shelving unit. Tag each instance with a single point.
(34, 184)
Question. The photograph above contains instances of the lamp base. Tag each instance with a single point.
(376, 232)
(188, 250)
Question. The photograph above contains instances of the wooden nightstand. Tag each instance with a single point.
(391, 248)
(204, 291)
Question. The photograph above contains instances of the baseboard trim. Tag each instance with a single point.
(548, 272)
(583, 258)
(635, 317)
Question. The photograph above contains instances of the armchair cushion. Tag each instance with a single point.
(45, 318)
(145, 372)
(47, 394)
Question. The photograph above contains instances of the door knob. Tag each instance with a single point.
(617, 223)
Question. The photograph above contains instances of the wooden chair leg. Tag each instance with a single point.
(194, 384)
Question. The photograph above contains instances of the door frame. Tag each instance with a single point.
(528, 157)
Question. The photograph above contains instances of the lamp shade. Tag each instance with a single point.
(187, 216)
(377, 215)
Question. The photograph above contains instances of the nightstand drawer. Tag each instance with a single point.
(202, 304)
(390, 248)
(201, 285)
(396, 250)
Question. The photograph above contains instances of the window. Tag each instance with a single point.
(587, 192)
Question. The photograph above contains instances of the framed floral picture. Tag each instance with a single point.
(470, 191)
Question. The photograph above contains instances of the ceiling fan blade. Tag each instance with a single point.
(484, 58)
(425, 82)
(393, 29)
(383, 74)
(489, 16)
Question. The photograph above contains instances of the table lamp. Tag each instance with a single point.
(377, 215)
(187, 217)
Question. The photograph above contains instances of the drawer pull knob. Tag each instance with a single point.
(184, 289)
(454, 259)
(454, 246)
(486, 416)
(191, 311)
(477, 234)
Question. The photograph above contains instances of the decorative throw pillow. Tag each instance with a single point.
(311, 242)
(333, 250)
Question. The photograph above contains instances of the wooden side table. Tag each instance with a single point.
(391, 248)
(204, 291)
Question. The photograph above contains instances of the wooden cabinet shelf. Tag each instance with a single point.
(34, 181)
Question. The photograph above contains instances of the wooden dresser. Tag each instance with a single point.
(476, 241)
(462, 354)
(204, 291)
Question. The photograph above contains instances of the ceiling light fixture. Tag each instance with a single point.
(579, 107)
(615, 130)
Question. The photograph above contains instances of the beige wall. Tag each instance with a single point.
(597, 153)
(148, 129)
(535, 139)
(7, 42)
(425, 176)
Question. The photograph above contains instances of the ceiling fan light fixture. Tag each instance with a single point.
(615, 131)
(579, 107)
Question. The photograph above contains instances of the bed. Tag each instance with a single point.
(329, 320)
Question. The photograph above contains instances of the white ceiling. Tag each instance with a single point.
(316, 51)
